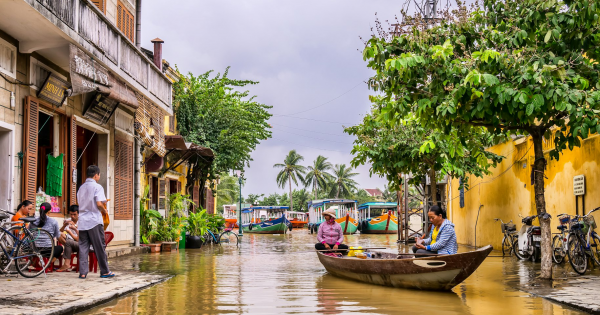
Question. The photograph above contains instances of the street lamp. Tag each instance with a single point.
(240, 175)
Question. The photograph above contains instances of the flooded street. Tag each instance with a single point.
(279, 274)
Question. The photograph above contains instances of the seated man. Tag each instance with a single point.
(442, 238)
(69, 237)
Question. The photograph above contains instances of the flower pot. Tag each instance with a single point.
(154, 248)
(169, 246)
(193, 241)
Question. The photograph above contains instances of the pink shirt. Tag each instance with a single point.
(330, 233)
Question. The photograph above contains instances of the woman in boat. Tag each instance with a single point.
(330, 235)
(442, 238)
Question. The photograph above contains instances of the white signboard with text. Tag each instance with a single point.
(579, 185)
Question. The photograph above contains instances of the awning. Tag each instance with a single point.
(187, 150)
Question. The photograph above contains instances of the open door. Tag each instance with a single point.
(30, 145)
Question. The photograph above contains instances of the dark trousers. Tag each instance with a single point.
(422, 251)
(320, 246)
(58, 250)
(94, 237)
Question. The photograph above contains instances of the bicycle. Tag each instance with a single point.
(18, 245)
(584, 243)
(509, 230)
(226, 237)
(560, 241)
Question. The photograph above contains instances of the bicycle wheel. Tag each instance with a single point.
(595, 248)
(558, 249)
(577, 256)
(507, 245)
(31, 262)
(521, 255)
(228, 238)
(7, 242)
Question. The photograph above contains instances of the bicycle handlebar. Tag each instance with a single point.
(15, 213)
(593, 210)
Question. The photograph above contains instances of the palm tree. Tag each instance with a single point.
(227, 190)
(388, 194)
(317, 175)
(291, 171)
(343, 184)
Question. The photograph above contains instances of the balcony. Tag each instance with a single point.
(47, 27)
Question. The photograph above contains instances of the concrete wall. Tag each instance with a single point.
(508, 191)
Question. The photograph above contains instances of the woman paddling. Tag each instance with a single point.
(442, 238)
(330, 235)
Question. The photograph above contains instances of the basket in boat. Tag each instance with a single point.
(508, 227)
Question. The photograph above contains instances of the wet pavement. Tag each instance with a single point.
(280, 274)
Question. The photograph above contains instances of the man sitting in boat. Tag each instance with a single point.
(442, 238)
(330, 235)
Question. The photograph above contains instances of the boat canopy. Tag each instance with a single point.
(268, 208)
(377, 205)
(317, 203)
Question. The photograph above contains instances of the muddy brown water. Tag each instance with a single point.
(272, 274)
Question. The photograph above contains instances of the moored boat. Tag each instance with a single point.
(297, 218)
(230, 216)
(265, 220)
(346, 214)
(440, 273)
(378, 218)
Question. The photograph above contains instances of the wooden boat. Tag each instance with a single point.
(378, 218)
(265, 220)
(440, 273)
(230, 215)
(346, 214)
(297, 218)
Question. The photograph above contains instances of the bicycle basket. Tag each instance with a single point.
(564, 220)
(584, 226)
(508, 227)
(591, 221)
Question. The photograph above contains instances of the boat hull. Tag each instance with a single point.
(231, 223)
(278, 226)
(380, 225)
(352, 225)
(439, 273)
(298, 224)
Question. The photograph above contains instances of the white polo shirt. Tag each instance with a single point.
(87, 196)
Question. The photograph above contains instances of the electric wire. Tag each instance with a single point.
(316, 131)
(306, 145)
(297, 134)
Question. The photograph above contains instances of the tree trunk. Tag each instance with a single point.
(315, 188)
(337, 193)
(433, 187)
(539, 166)
(291, 196)
(399, 213)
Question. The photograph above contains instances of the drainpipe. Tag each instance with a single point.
(138, 24)
(137, 161)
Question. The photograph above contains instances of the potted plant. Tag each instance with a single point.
(197, 225)
(149, 220)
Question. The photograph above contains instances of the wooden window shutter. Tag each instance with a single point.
(196, 197)
(30, 143)
(171, 123)
(162, 194)
(73, 162)
(178, 187)
(123, 180)
(125, 21)
(100, 4)
(150, 193)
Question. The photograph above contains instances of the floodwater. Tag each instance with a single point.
(279, 274)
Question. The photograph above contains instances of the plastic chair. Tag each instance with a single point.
(108, 236)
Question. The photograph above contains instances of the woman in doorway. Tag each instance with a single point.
(24, 209)
(330, 235)
(442, 238)
(49, 224)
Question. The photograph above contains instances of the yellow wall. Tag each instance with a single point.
(508, 191)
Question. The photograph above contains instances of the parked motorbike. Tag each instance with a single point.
(528, 243)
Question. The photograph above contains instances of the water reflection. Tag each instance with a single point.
(277, 274)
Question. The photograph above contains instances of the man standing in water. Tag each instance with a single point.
(92, 203)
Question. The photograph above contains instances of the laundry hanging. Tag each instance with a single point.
(54, 175)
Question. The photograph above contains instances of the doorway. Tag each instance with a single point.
(87, 152)
(45, 147)
(6, 143)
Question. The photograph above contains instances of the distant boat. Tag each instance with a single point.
(297, 218)
(378, 218)
(346, 214)
(265, 220)
(230, 216)
(440, 273)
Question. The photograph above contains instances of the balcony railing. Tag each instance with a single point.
(84, 18)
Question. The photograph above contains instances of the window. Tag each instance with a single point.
(171, 123)
(8, 58)
(100, 4)
(125, 21)
(123, 180)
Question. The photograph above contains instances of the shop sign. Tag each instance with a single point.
(579, 185)
(100, 109)
(54, 90)
(87, 75)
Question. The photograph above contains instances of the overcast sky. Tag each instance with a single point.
(305, 54)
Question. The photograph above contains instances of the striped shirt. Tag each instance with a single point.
(330, 233)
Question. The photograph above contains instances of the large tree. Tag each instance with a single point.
(342, 183)
(290, 172)
(317, 174)
(215, 112)
(518, 66)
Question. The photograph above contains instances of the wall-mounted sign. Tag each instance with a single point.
(100, 109)
(54, 90)
(87, 75)
(579, 185)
